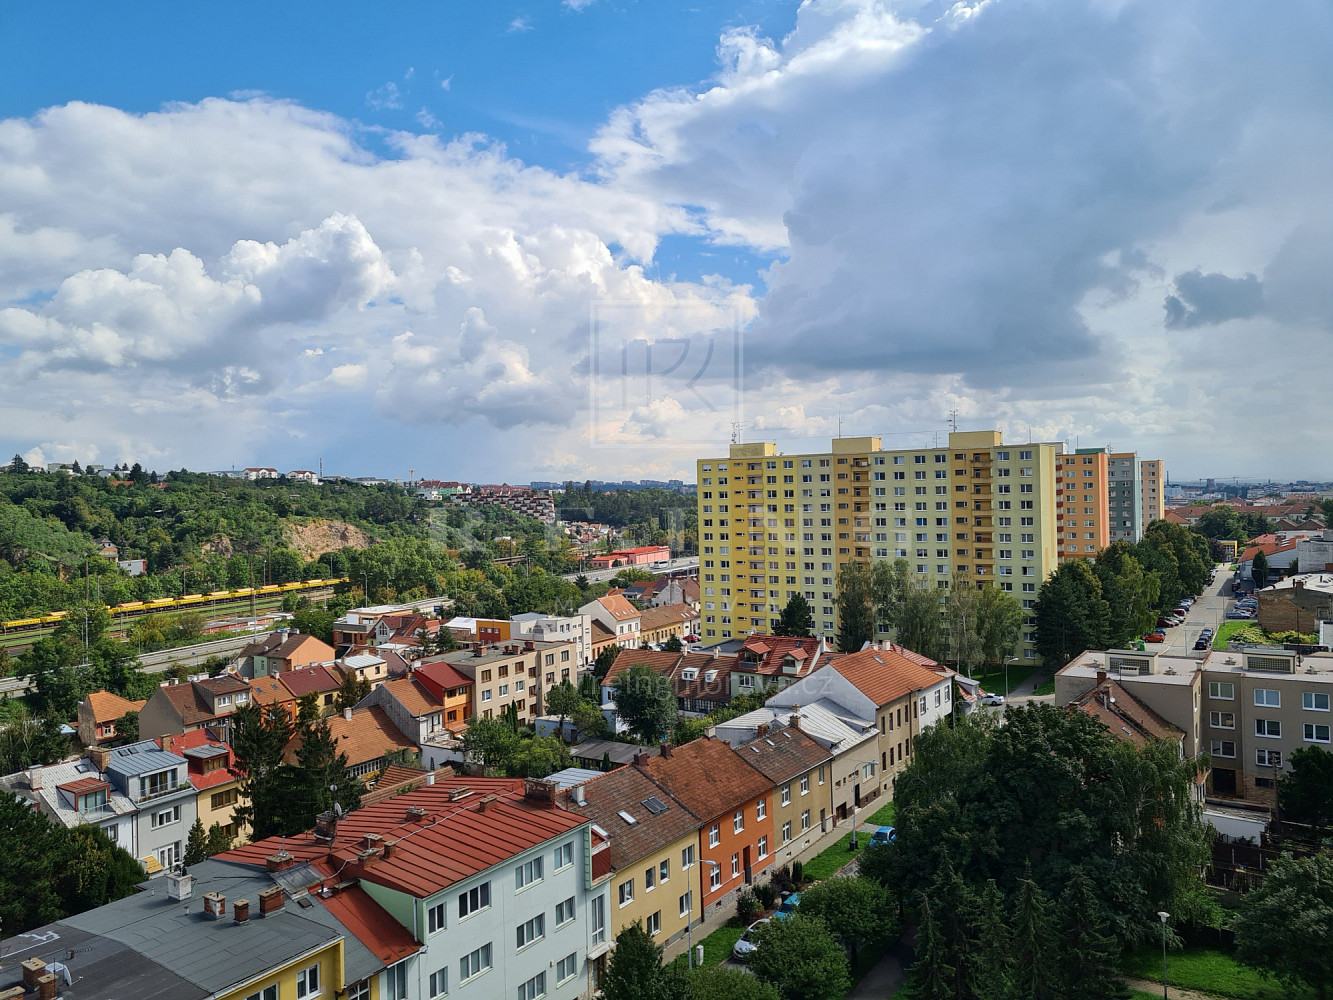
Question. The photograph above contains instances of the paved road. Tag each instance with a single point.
(602, 575)
(1208, 612)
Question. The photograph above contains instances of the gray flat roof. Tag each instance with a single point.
(140, 758)
(102, 968)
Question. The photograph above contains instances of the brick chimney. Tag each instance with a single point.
(33, 969)
(666, 749)
(240, 910)
(326, 826)
(277, 862)
(100, 757)
(47, 986)
(1101, 677)
(640, 758)
(270, 900)
(762, 731)
(486, 801)
(215, 905)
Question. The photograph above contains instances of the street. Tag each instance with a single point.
(1207, 612)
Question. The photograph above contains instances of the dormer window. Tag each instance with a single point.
(224, 700)
(689, 674)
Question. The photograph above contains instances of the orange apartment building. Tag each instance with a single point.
(1082, 521)
(1154, 490)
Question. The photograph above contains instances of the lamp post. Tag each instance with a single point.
(689, 919)
(1006, 674)
(1163, 915)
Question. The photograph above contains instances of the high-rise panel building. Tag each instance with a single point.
(1124, 496)
(1081, 488)
(772, 525)
(1154, 490)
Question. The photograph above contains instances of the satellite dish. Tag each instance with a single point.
(337, 810)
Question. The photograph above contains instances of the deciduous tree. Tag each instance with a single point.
(1283, 927)
(1306, 792)
(645, 702)
(801, 958)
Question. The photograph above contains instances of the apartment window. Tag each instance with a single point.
(715, 877)
(654, 924)
(307, 982)
(435, 918)
(1222, 690)
(356, 991)
(528, 873)
(738, 821)
(155, 784)
(567, 967)
(786, 794)
(735, 865)
(763, 841)
(1315, 733)
(564, 855)
(786, 831)
(1223, 748)
(687, 858)
(649, 879)
(714, 835)
(686, 901)
(1314, 702)
(664, 871)
(805, 784)
(1269, 728)
(228, 797)
(1267, 698)
(1222, 720)
(599, 920)
(267, 993)
(166, 817)
(533, 988)
(805, 820)
(564, 912)
(626, 891)
(439, 983)
(1268, 758)
(476, 898)
(531, 930)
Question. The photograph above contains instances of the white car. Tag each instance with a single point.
(992, 699)
(746, 945)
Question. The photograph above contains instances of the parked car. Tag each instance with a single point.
(1154, 637)
(1201, 643)
(1239, 614)
(787, 908)
(884, 835)
(1208, 632)
(992, 699)
(745, 946)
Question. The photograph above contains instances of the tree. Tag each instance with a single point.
(718, 982)
(801, 958)
(635, 969)
(218, 840)
(17, 466)
(127, 727)
(797, 618)
(856, 610)
(604, 660)
(673, 644)
(1283, 929)
(1306, 792)
(935, 970)
(988, 966)
(538, 757)
(645, 702)
(1259, 570)
(259, 738)
(1034, 943)
(196, 845)
(1070, 613)
(26, 741)
(490, 742)
(563, 700)
(961, 618)
(354, 688)
(857, 911)
(325, 780)
(1088, 954)
(999, 623)
(1130, 590)
(916, 620)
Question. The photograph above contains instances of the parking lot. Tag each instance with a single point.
(1209, 611)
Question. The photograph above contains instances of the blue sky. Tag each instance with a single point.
(450, 236)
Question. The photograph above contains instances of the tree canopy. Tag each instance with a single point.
(645, 702)
(1285, 926)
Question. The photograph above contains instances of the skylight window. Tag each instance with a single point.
(627, 817)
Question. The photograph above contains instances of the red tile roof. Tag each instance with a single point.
(620, 609)
(704, 777)
(414, 696)
(108, 707)
(1268, 549)
(452, 842)
(310, 680)
(200, 778)
(444, 675)
(387, 939)
(883, 675)
(270, 691)
(190, 705)
(367, 736)
(667, 614)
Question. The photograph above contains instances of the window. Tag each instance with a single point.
(687, 858)
(1223, 748)
(435, 918)
(228, 797)
(564, 912)
(1221, 690)
(531, 930)
(786, 831)
(356, 991)
(805, 784)
(166, 817)
(649, 879)
(626, 891)
(475, 963)
(267, 993)
(476, 898)
(715, 877)
(1271, 728)
(169, 855)
(664, 871)
(439, 983)
(564, 855)
(1222, 720)
(1268, 758)
(1314, 702)
(735, 865)
(761, 809)
(598, 919)
(738, 821)
(527, 873)
(685, 903)
(567, 967)
(307, 982)
(1267, 698)
(533, 988)
(763, 841)
(1315, 733)
(714, 836)
(786, 794)
(805, 820)
(654, 924)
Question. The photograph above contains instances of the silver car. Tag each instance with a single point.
(746, 945)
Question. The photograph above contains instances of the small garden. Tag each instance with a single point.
(1250, 632)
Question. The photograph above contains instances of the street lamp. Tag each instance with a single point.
(1163, 915)
(689, 917)
(1010, 660)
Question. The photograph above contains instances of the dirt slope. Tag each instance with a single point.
(317, 536)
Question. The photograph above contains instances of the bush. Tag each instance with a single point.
(766, 894)
(797, 874)
(747, 907)
(781, 880)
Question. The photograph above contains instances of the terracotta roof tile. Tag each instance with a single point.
(189, 703)
(625, 789)
(782, 754)
(667, 614)
(414, 697)
(620, 609)
(443, 674)
(368, 735)
(270, 691)
(108, 707)
(310, 680)
(1125, 716)
(703, 777)
(883, 675)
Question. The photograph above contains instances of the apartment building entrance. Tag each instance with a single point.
(1224, 781)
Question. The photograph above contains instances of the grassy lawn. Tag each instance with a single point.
(1046, 687)
(886, 815)
(1225, 631)
(718, 945)
(832, 858)
(993, 680)
(1208, 970)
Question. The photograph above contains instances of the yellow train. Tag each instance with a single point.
(131, 609)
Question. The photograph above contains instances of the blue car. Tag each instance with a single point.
(884, 835)
(787, 908)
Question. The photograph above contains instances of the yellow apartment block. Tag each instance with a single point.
(772, 525)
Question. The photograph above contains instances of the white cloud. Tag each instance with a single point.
(386, 97)
(521, 23)
(428, 121)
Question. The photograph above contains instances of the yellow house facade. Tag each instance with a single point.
(316, 973)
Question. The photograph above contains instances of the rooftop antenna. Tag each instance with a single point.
(839, 423)
(735, 430)
(953, 419)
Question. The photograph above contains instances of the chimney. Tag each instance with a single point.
(179, 885)
(371, 841)
(99, 757)
(459, 792)
(666, 750)
(794, 720)
(486, 801)
(240, 911)
(347, 713)
(390, 846)
(716, 652)
(35, 778)
(1101, 677)
(416, 812)
(277, 862)
(430, 777)
(762, 731)
(47, 986)
(326, 826)
(33, 969)
(215, 905)
(167, 742)
(580, 799)
(270, 900)
(640, 758)
(528, 646)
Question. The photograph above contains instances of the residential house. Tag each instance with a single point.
(213, 772)
(285, 649)
(595, 754)
(1280, 553)
(658, 624)
(366, 667)
(1127, 718)
(1297, 603)
(259, 472)
(654, 843)
(267, 691)
(451, 687)
(676, 590)
(304, 476)
(1314, 555)
(366, 735)
(78, 793)
(732, 804)
(616, 615)
(504, 893)
(486, 630)
(771, 662)
(602, 638)
(224, 931)
(801, 772)
(190, 705)
(107, 549)
(557, 628)
(321, 681)
(412, 707)
(879, 684)
(99, 711)
(701, 683)
(513, 673)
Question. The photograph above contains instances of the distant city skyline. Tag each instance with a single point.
(595, 239)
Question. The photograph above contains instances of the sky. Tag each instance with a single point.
(600, 238)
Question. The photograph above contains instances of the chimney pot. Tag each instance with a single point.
(270, 900)
(416, 812)
(240, 910)
(347, 713)
(666, 750)
(762, 731)
(282, 859)
(215, 905)
(485, 802)
(33, 969)
(47, 986)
